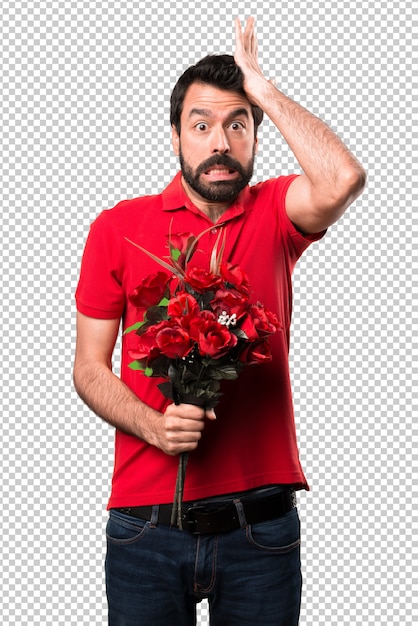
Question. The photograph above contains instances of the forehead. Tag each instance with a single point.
(202, 97)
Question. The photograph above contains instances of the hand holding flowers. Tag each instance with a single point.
(197, 327)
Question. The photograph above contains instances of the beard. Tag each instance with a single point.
(220, 190)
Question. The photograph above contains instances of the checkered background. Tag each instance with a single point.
(85, 102)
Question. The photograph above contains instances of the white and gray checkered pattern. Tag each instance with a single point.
(85, 100)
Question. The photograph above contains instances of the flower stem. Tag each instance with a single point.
(178, 494)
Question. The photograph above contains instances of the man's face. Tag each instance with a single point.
(217, 145)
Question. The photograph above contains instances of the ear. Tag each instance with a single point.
(175, 140)
(256, 145)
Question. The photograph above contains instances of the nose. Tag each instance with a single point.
(220, 141)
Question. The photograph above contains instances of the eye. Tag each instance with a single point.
(201, 127)
(236, 126)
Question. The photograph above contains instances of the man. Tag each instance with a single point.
(240, 545)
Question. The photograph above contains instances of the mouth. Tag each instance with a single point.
(220, 172)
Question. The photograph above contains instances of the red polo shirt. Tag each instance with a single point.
(253, 441)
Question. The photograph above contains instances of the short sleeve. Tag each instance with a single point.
(298, 241)
(99, 292)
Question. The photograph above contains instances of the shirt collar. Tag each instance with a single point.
(174, 197)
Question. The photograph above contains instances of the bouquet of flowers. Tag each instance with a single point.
(195, 328)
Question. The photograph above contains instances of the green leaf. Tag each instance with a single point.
(156, 314)
(160, 366)
(166, 389)
(175, 254)
(148, 371)
(133, 327)
(238, 332)
(164, 302)
(136, 366)
(227, 372)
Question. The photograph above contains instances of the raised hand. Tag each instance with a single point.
(246, 57)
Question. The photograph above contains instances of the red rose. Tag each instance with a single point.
(256, 352)
(174, 342)
(230, 302)
(259, 322)
(234, 275)
(150, 291)
(203, 316)
(198, 322)
(181, 242)
(166, 338)
(202, 280)
(213, 339)
(184, 307)
(146, 348)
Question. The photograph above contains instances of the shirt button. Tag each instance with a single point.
(214, 231)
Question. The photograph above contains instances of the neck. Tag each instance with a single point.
(214, 210)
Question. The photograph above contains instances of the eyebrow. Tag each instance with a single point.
(207, 113)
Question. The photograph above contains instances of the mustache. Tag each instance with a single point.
(219, 159)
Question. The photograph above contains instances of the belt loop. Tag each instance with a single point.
(241, 513)
(154, 516)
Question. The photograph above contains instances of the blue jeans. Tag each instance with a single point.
(156, 574)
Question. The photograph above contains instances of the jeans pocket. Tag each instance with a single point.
(122, 530)
(278, 536)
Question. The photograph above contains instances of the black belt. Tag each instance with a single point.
(220, 517)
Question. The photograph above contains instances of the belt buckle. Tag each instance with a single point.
(193, 517)
(201, 519)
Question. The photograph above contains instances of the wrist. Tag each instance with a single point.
(261, 92)
(148, 424)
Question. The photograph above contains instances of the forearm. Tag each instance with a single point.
(114, 402)
(323, 157)
(332, 176)
(178, 430)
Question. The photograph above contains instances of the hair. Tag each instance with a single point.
(220, 71)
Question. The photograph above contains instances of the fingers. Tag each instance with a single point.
(185, 411)
(190, 411)
(183, 426)
(249, 35)
(238, 35)
(210, 414)
(246, 39)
